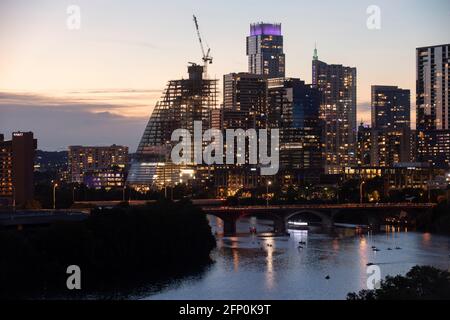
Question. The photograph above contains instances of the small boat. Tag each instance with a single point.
(398, 248)
(327, 277)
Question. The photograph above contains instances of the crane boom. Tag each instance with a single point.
(205, 55)
(197, 28)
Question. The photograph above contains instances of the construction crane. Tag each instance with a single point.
(207, 59)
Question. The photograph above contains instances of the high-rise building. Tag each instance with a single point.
(184, 101)
(294, 109)
(432, 101)
(364, 145)
(384, 148)
(391, 108)
(391, 126)
(433, 147)
(16, 168)
(390, 147)
(105, 163)
(265, 50)
(338, 111)
(432, 87)
(245, 94)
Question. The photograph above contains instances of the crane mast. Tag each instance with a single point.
(207, 59)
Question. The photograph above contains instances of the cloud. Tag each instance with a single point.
(61, 121)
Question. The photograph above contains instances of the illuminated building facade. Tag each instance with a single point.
(400, 176)
(390, 147)
(364, 145)
(338, 111)
(433, 147)
(294, 108)
(87, 163)
(265, 50)
(183, 102)
(384, 148)
(245, 97)
(432, 100)
(433, 87)
(391, 108)
(16, 168)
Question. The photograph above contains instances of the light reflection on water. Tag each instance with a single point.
(255, 267)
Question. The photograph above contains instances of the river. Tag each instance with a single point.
(258, 267)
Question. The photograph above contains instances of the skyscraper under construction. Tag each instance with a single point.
(183, 102)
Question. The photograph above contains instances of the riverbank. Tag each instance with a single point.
(114, 248)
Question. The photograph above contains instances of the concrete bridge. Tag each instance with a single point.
(374, 213)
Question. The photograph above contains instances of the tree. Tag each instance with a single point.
(420, 283)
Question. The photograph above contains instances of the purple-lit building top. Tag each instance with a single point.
(268, 29)
(265, 50)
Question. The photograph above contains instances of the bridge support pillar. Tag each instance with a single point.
(279, 226)
(229, 227)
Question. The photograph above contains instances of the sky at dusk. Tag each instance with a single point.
(98, 85)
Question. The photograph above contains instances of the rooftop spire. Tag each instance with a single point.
(315, 57)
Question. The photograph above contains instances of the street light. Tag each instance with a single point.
(361, 192)
(267, 192)
(123, 192)
(14, 198)
(73, 193)
(54, 195)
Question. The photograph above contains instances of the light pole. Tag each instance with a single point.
(54, 195)
(14, 198)
(361, 195)
(267, 192)
(73, 194)
(123, 192)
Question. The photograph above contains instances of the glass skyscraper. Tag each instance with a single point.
(391, 108)
(433, 87)
(338, 110)
(432, 100)
(294, 108)
(183, 102)
(265, 50)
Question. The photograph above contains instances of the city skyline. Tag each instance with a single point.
(77, 85)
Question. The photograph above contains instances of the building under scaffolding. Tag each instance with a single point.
(183, 102)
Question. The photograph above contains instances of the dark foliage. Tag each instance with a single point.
(420, 283)
(113, 247)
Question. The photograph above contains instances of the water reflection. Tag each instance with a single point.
(295, 267)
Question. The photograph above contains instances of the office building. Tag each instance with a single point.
(294, 109)
(16, 168)
(265, 50)
(338, 111)
(432, 89)
(391, 108)
(364, 145)
(87, 161)
(245, 96)
(432, 100)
